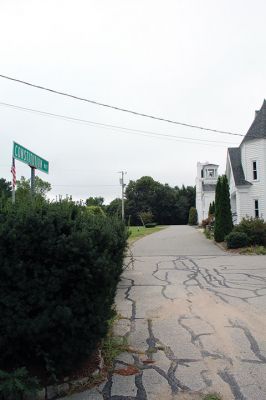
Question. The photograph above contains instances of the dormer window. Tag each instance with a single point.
(255, 170)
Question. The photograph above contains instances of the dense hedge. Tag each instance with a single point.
(254, 228)
(58, 275)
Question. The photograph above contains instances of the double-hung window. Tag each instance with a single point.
(256, 208)
(255, 170)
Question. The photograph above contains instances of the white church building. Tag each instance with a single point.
(207, 175)
(246, 171)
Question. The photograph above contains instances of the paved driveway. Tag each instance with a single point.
(195, 320)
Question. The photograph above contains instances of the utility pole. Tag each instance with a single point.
(32, 181)
(14, 180)
(123, 187)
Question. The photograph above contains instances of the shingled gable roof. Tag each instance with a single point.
(235, 159)
(258, 127)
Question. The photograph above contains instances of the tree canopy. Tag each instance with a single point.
(114, 208)
(5, 188)
(95, 201)
(23, 188)
(168, 205)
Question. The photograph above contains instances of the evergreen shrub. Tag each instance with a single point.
(18, 385)
(193, 216)
(212, 209)
(58, 276)
(236, 240)
(223, 215)
(255, 229)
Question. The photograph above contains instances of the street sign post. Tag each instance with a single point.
(34, 162)
(28, 157)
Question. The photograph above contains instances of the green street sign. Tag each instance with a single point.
(22, 154)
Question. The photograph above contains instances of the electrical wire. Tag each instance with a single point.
(113, 127)
(115, 107)
(75, 185)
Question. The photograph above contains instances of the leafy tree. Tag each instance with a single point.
(141, 196)
(223, 215)
(5, 188)
(168, 205)
(115, 208)
(23, 191)
(95, 210)
(146, 217)
(95, 201)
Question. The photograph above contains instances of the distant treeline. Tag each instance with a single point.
(146, 200)
(164, 204)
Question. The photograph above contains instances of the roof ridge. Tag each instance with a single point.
(257, 129)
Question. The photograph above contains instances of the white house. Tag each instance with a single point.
(207, 175)
(246, 171)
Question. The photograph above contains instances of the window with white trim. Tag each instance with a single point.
(256, 208)
(255, 170)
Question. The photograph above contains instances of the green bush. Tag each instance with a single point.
(58, 276)
(208, 233)
(151, 225)
(236, 239)
(17, 384)
(146, 217)
(95, 210)
(259, 250)
(193, 216)
(254, 228)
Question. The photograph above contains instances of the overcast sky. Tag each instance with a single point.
(201, 62)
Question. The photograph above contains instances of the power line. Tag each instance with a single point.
(76, 185)
(113, 127)
(115, 107)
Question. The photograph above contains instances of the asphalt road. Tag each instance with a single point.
(195, 320)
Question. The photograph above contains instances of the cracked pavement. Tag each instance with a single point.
(194, 319)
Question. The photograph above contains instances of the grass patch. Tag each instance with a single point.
(212, 397)
(259, 250)
(208, 234)
(137, 232)
(112, 345)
